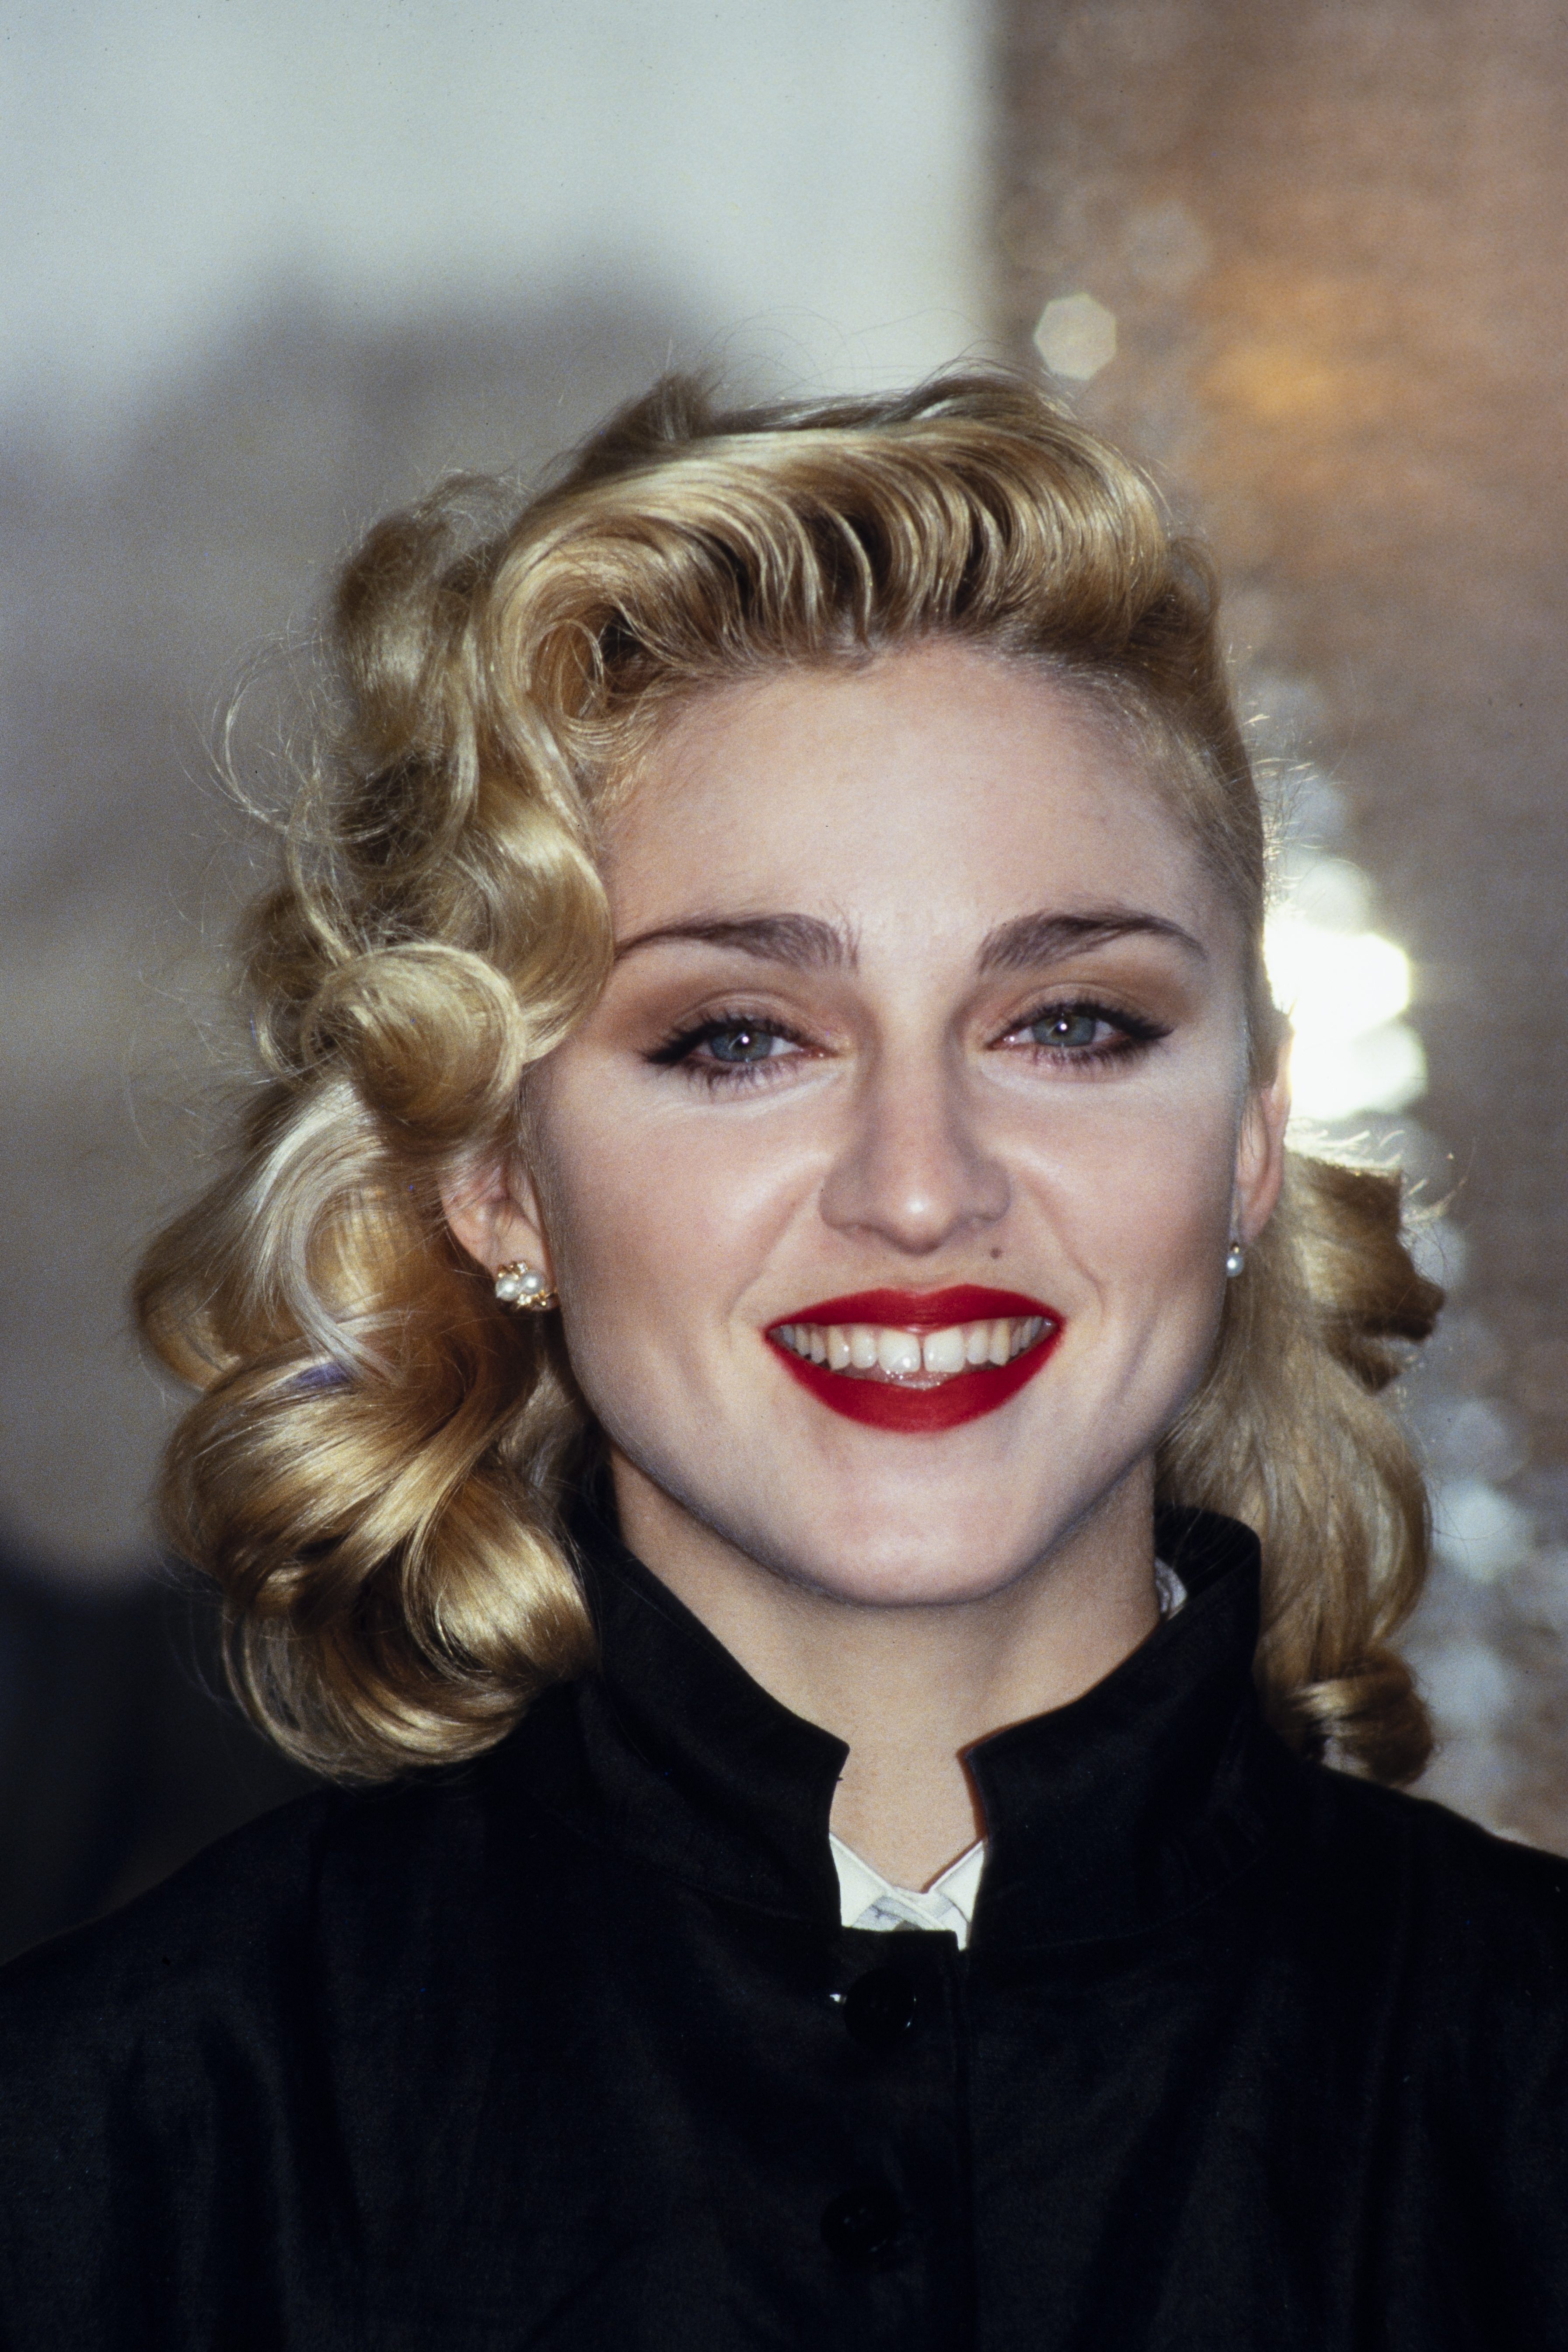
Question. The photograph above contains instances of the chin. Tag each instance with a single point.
(894, 1541)
(938, 1582)
(875, 1517)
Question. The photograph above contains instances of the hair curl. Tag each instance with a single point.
(374, 1469)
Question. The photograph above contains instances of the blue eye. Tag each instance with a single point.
(1087, 1036)
(734, 1045)
(1070, 1028)
(726, 1048)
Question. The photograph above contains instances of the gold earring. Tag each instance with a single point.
(517, 1285)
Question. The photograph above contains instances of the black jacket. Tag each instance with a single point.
(568, 2049)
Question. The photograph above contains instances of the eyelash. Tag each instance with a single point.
(680, 1050)
(1136, 1034)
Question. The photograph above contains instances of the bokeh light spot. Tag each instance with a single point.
(1076, 336)
(1343, 987)
(1480, 1531)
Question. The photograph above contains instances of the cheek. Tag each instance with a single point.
(1144, 1206)
(656, 1222)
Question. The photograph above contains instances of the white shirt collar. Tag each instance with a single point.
(867, 1899)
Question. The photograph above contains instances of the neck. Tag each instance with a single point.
(909, 1688)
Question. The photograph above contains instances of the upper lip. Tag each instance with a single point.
(920, 1310)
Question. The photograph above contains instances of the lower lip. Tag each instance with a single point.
(921, 1412)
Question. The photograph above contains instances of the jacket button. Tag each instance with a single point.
(880, 2007)
(862, 2222)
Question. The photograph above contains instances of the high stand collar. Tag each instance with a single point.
(1102, 1817)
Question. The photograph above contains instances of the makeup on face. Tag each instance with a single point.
(909, 1108)
(918, 1363)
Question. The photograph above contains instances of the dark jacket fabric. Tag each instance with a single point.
(568, 2048)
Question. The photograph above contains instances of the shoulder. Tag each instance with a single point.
(214, 1940)
(1442, 1951)
(1451, 1858)
(244, 1928)
(1480, 1917)
(169, 2065)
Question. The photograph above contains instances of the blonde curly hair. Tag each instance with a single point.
(376, 1468)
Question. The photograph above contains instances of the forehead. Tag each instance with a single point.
(939, 787)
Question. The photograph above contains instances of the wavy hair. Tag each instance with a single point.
(376, 1468)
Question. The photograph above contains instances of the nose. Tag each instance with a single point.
(914, 1169)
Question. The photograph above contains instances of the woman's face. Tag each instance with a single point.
(888, 1186)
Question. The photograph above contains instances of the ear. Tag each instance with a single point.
(1260, 1150)
(494, 1215)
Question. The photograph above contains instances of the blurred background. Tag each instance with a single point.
(268, 270)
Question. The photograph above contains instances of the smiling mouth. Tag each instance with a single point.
(881, 1351)
(918, 1363)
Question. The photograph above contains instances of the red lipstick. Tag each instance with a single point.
(962, 1396)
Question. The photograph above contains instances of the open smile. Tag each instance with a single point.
(918, 1361)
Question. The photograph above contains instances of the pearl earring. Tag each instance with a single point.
(523, 1286)
(1235, 1259)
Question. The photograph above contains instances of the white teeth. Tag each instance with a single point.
(898, 1353)
(942, 1351)
(906, 1355)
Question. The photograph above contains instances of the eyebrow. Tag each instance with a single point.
(808, 944)
(802, 941)
(1031, 941)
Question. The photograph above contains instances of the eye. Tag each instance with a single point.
(728, 1048)
(1083, 1032)
(1070, 1028)
(741, 1045)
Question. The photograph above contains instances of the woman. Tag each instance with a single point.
(756, 1328)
